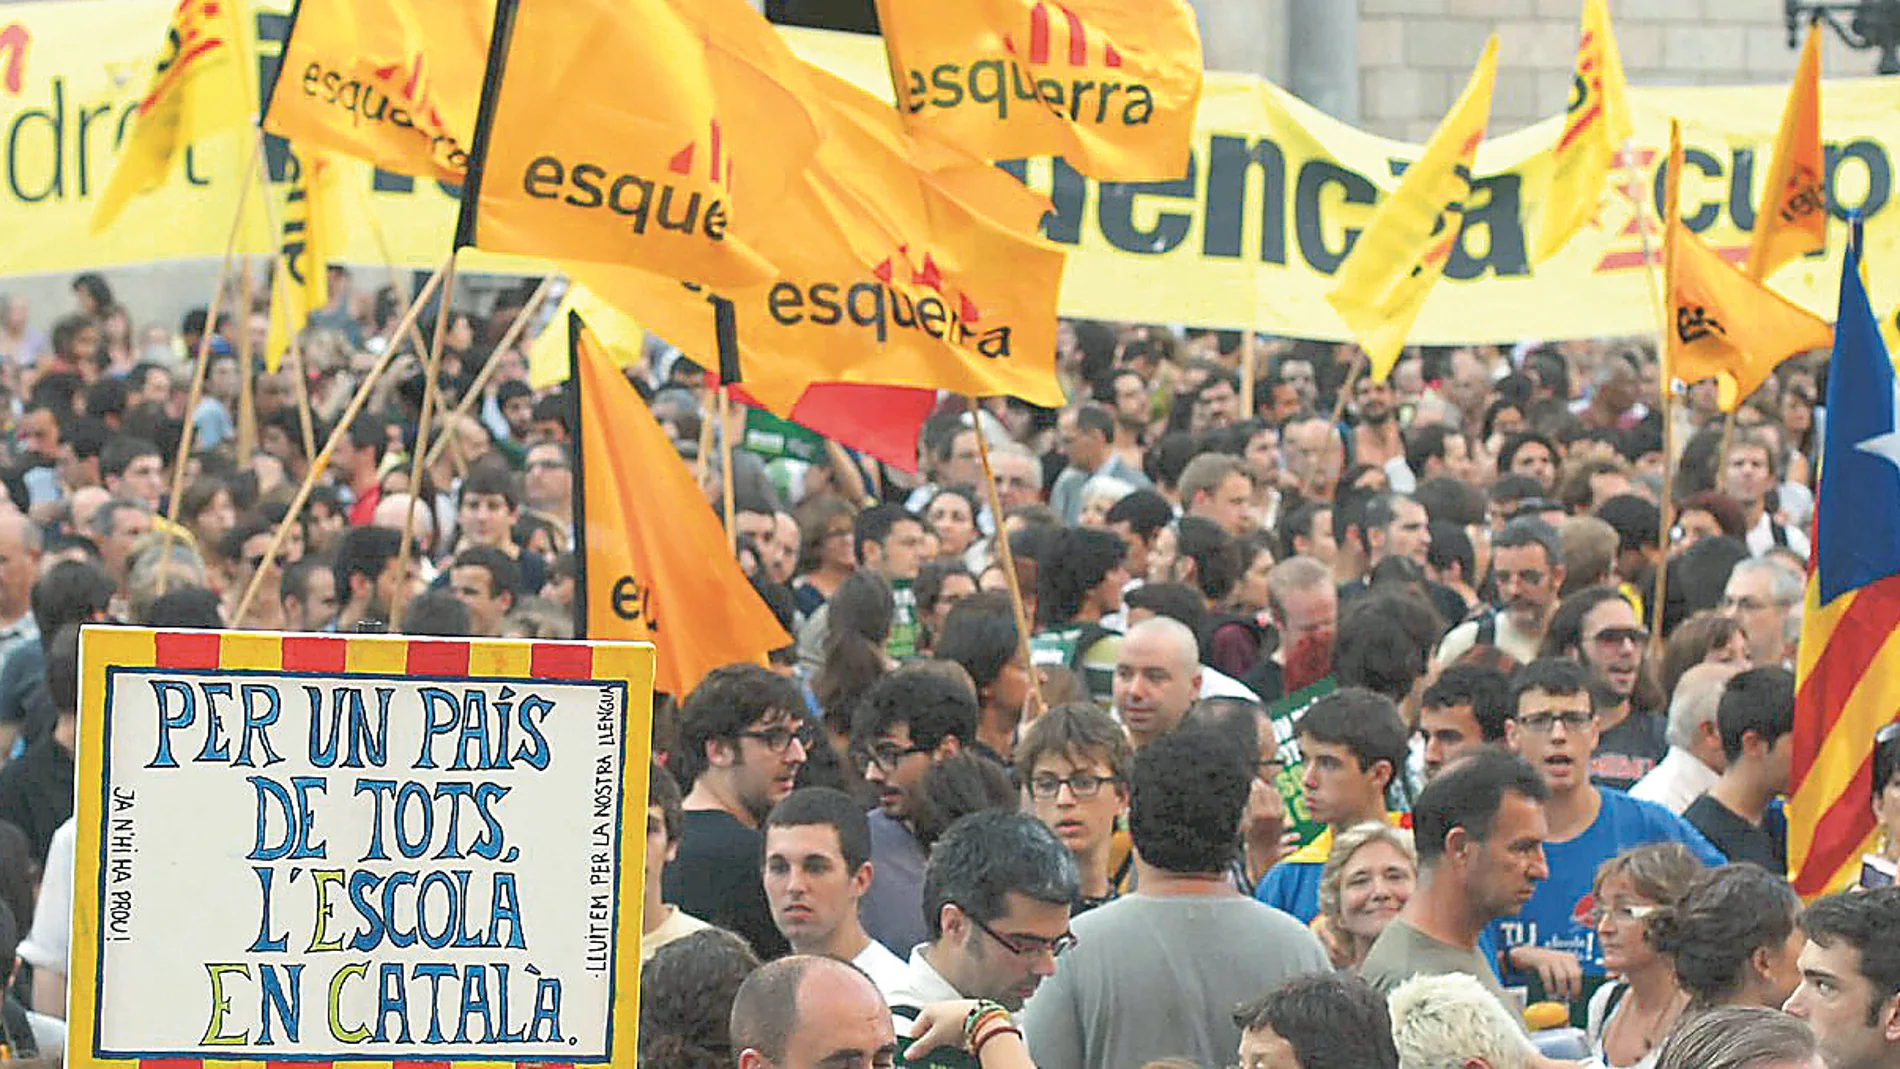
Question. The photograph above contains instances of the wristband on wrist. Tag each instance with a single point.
(1007, 1029)
(981, 1014)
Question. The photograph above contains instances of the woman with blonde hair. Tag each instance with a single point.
(1629, 1017)
(1366, 880)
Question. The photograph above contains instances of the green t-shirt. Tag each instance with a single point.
(941, 1058)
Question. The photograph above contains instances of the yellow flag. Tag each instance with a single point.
(1401, 253)
(1723, 323)
(302, 284)
(1112, 86)
(393, 82)
(1792, 218)
(201, 85)
(656, 566)
(616, 332)
(891, 275)
(1596, 125)
(672, 171)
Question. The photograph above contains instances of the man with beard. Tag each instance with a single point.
(1303, 604)
(1527, 564)
(907, 722)
(1598, 629)
(1375, 439)
(743, 736)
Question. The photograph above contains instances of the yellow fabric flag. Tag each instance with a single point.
(655, 565)
(1723, 323)
(1112, 86)
(302, 284)
(890, 275)
(201, 85)
(393, 82)
(617, 333)
(1792, 218)
(675, 173)
(1596, 125)
(1402, 251)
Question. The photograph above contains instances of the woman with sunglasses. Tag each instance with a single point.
(1629, 1016)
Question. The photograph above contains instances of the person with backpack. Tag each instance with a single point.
(1079, 581)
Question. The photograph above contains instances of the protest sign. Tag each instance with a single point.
(303, 848)
(1291, 775)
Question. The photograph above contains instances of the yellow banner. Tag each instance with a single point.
(1254, 236)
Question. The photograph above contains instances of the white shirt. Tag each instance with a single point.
(920, 984)
(46, 946)
(886, 970)
(1761, 537)
(1218, 684)
(1678, 779)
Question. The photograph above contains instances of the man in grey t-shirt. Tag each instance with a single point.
(1156, 974)
(1480, 830)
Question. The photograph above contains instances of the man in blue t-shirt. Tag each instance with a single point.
(1353, 743)
(1554, 727)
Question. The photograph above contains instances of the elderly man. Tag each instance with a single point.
(804, 1012)
(1157, 677)
(1764, 596)
(1694, 760)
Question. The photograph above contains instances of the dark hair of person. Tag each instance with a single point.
(1866, 921)
(980, 634)
(1331, 1020)
(730, 699)
(1186, 797)
(437, 614)
(858, 621)
(825, 805)
(687, 991)
(934, 707)
(183, 606)
(664, 791)
(1485, 689)
(1564, 636)
(963, 783)
(1077, 561)
(1366, 723)
(1079, 731)
(1727, 914)
(1557, 676)
(1216, 556)
(1760, 702)
(982, 858)
(1144, 511)
(71, 592)
(1467, 794)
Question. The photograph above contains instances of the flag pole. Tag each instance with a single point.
(493, 364)
(395, 283)
(1007, 559)
(322, 460)
(1345, 388)
(1660, 592)
(247, 376)
(1247, 372)
(578, 469)
(431, 373)
(725, 465)
(196, 393)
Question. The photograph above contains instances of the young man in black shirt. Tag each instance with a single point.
(1756, 721)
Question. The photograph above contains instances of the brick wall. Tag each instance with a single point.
(1415, 55)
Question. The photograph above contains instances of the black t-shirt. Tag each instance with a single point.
(1765, 844)
(1626, 752)
(36, 792)
(716, 878)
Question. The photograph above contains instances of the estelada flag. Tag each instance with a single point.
(674, 171)
(654, 559)
(889, 275)
(201, 85)
(1792, 218)
(1596, 125)
(1721, 322)
(1847, 672)
(1400, 255)
(393, 82)
(302, 273)
(1112, 86)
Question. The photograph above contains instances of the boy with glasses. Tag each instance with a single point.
(907, 722)
(743, 737)
(1554, 727)
(1074, 762)
(1153, 974)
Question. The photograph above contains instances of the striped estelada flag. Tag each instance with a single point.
(1848, 671)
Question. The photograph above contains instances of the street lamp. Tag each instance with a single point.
(1861, 23)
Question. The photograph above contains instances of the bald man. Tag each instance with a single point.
(810, 1012)
(1157, 677)
(389, 512)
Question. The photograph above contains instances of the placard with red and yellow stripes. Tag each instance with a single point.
(314, 849)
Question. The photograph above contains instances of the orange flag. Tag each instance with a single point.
(1723, 323)
(890, 275)
(673, 171)
(393, 82)
(1792, 219)
(655, 564)
(1112, 86)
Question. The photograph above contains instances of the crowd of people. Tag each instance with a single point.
(1436, 721)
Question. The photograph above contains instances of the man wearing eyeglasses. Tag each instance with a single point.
(1598, 628)
(1765, 598)
(1554, 727)
(1527, 564)
(996, 902)
(1074, 762)
(907, 722)
(743, 737)
(1155, 974)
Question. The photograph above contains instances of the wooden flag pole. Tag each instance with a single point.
(293, 351)
(395, 283)
(301, 376)
(1657, 308)
(1345, 388)
(416, 500)
(474, 392)
(247, 375)
(196, 393)
(1248, 357)
(725, 464)
(1008, 561)
(322, 460)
